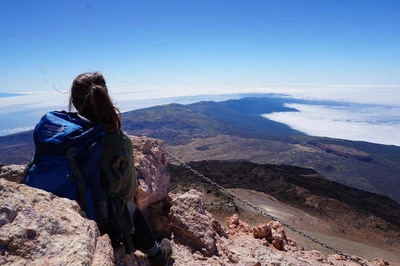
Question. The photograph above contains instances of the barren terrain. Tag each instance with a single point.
(332, 222)
(315, 227)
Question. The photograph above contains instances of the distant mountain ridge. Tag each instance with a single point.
(228, 117)
(17, 148)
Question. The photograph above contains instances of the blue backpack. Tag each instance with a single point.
(67, 159)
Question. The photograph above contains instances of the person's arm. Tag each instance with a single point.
(118, 171)
(129, 183)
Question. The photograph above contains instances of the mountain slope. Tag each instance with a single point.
(282, 182)
(234, 130)
(210, 118)
(343, 211)
(17, 148)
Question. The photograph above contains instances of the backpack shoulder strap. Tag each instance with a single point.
(78, 178)
(122, 222)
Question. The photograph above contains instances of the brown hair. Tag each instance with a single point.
(89, 96)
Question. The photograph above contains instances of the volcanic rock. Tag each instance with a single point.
(38, 228)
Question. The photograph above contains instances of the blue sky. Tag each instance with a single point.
(343, 50)
(150, 43)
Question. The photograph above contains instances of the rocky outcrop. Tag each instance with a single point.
(38, 228)
(151, 169)
(191, 222)
(273, 231)
(343, 151)
(12, 172)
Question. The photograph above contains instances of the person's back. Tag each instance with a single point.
(89, 96)
(117, 170)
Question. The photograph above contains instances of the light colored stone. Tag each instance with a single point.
(151, 169)
(104, 254)
(38, 228)
(261, 231)
(236, 226)
(277, 236)
(12, 172)
(190, 222)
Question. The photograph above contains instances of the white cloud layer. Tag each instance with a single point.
(377, 124)
(14, 130)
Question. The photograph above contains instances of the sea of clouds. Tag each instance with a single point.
(366, 113)
(378, 124)
(361, 113)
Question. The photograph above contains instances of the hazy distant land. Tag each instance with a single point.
(376, 123)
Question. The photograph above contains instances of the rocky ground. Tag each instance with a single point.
(339, 225)
(30, 234)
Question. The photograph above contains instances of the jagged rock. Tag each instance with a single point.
(153, 183)
(277, 236)
(262, 231)
(12, 172)
(191, 223)
(157, 216)
(273, 231)
(236, 226)
(380, 262)
(38, 228)
(151, 169)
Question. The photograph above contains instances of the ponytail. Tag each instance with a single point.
(89, 96)
(106, 113)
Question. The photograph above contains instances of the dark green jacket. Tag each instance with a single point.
(117, 167)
